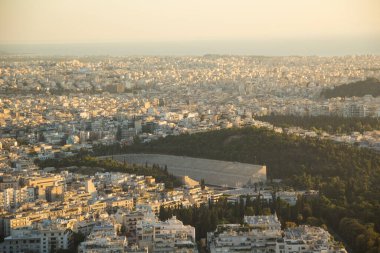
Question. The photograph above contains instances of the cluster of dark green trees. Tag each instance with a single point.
(89, 165)
(346, 176)
(329, 124)
(108, 150)
(362, 238)
(370, 86)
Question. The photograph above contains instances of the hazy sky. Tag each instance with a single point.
(88, 21)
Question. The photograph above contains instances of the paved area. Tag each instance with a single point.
(214, 172)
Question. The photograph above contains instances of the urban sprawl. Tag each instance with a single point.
(57, 107)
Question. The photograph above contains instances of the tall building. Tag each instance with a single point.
(15, 197)
(138, 126)
(90, 187)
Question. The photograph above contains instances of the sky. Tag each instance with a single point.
(304, 26)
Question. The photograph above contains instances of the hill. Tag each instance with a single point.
(284, 155)
(330, 124)
(370, 86)
(346, 176)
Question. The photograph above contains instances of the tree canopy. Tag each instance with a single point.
(370, 86)
(346, 176)
(329, 124)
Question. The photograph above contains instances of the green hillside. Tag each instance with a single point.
(347, 177)
(370, 86)
(284, 155)
(330, 124)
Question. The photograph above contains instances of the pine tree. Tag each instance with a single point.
(118, 134)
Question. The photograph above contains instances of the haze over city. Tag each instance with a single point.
(116, 27)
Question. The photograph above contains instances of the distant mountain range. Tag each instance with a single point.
(370, 86)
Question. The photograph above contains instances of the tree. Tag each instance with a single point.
(123, 229)
(136, 140)
(118, 135)
(290, 224)
(203, 185)
(312, 221)
(78, 238)
(41, 137)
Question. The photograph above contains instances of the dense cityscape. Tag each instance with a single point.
(203, 126)
(173, 95)
(60, 108)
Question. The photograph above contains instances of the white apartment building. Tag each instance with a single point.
(242, 238)
(305, 239)
(263, 222)
(103, 239)
(13, 198)
(42, 239)
(166, 236)
(263, 234)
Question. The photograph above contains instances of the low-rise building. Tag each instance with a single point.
(47, 238)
